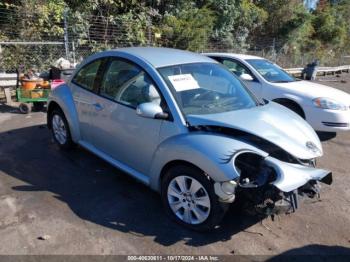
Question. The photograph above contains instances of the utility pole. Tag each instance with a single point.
(274, 50)
(73, 50)
(149, 31)
(66, 44)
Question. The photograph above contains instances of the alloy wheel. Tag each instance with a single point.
(188, 199)
(59, 129)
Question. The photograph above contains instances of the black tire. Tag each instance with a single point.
(68, 143)
(217, 209)
(325, 136)
(25, 108)
(38, 106)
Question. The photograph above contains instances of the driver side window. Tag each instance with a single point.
(128, 84)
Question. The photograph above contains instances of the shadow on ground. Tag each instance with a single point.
(315, 253)
(14, 108)
(97, 192)
(4, 108)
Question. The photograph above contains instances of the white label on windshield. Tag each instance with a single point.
(183, 82)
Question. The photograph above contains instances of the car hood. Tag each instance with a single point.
(314, 90)
(271, 122)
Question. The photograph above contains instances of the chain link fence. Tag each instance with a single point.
(74, 39)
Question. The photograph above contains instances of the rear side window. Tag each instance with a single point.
(236, 67)
(86, 76)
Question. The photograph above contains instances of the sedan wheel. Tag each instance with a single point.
(188, 199)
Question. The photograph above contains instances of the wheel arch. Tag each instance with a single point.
(205, 151)
(289, 101)
(174, 163)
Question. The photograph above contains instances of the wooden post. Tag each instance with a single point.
(7, 91)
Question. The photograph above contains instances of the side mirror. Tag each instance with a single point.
(246, 77)
(151, 110)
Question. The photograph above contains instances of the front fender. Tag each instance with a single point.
(63, 97)
(212, 153)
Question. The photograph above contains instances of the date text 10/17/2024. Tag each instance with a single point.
(172, 258)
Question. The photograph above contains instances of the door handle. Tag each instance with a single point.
(98, 107)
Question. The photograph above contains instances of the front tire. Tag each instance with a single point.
(189, 199)
(60, 130)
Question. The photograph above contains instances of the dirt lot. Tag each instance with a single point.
(85, 206)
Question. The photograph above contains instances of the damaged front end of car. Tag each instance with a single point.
(270, 186)
(271, 183)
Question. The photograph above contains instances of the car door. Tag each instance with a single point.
(239, 69)
(83, 89)
(117, 130)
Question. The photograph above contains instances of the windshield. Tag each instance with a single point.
(206, 88)
(270, 71)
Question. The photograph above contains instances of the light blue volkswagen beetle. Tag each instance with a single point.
(182, 124)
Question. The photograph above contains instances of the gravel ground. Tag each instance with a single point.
(78, 204)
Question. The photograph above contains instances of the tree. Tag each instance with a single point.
(330, 26)
(190, 29)
(31, 20)
(284, 26)
(235, 21)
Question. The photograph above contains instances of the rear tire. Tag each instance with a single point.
(60, 130)
(189, 199)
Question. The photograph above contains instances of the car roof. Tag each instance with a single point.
(161, 57)
(233, 55)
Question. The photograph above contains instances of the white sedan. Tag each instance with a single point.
(325, 108)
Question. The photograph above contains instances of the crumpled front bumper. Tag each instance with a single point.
(293, 176)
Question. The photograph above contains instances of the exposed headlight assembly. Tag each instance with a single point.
(327, 103)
